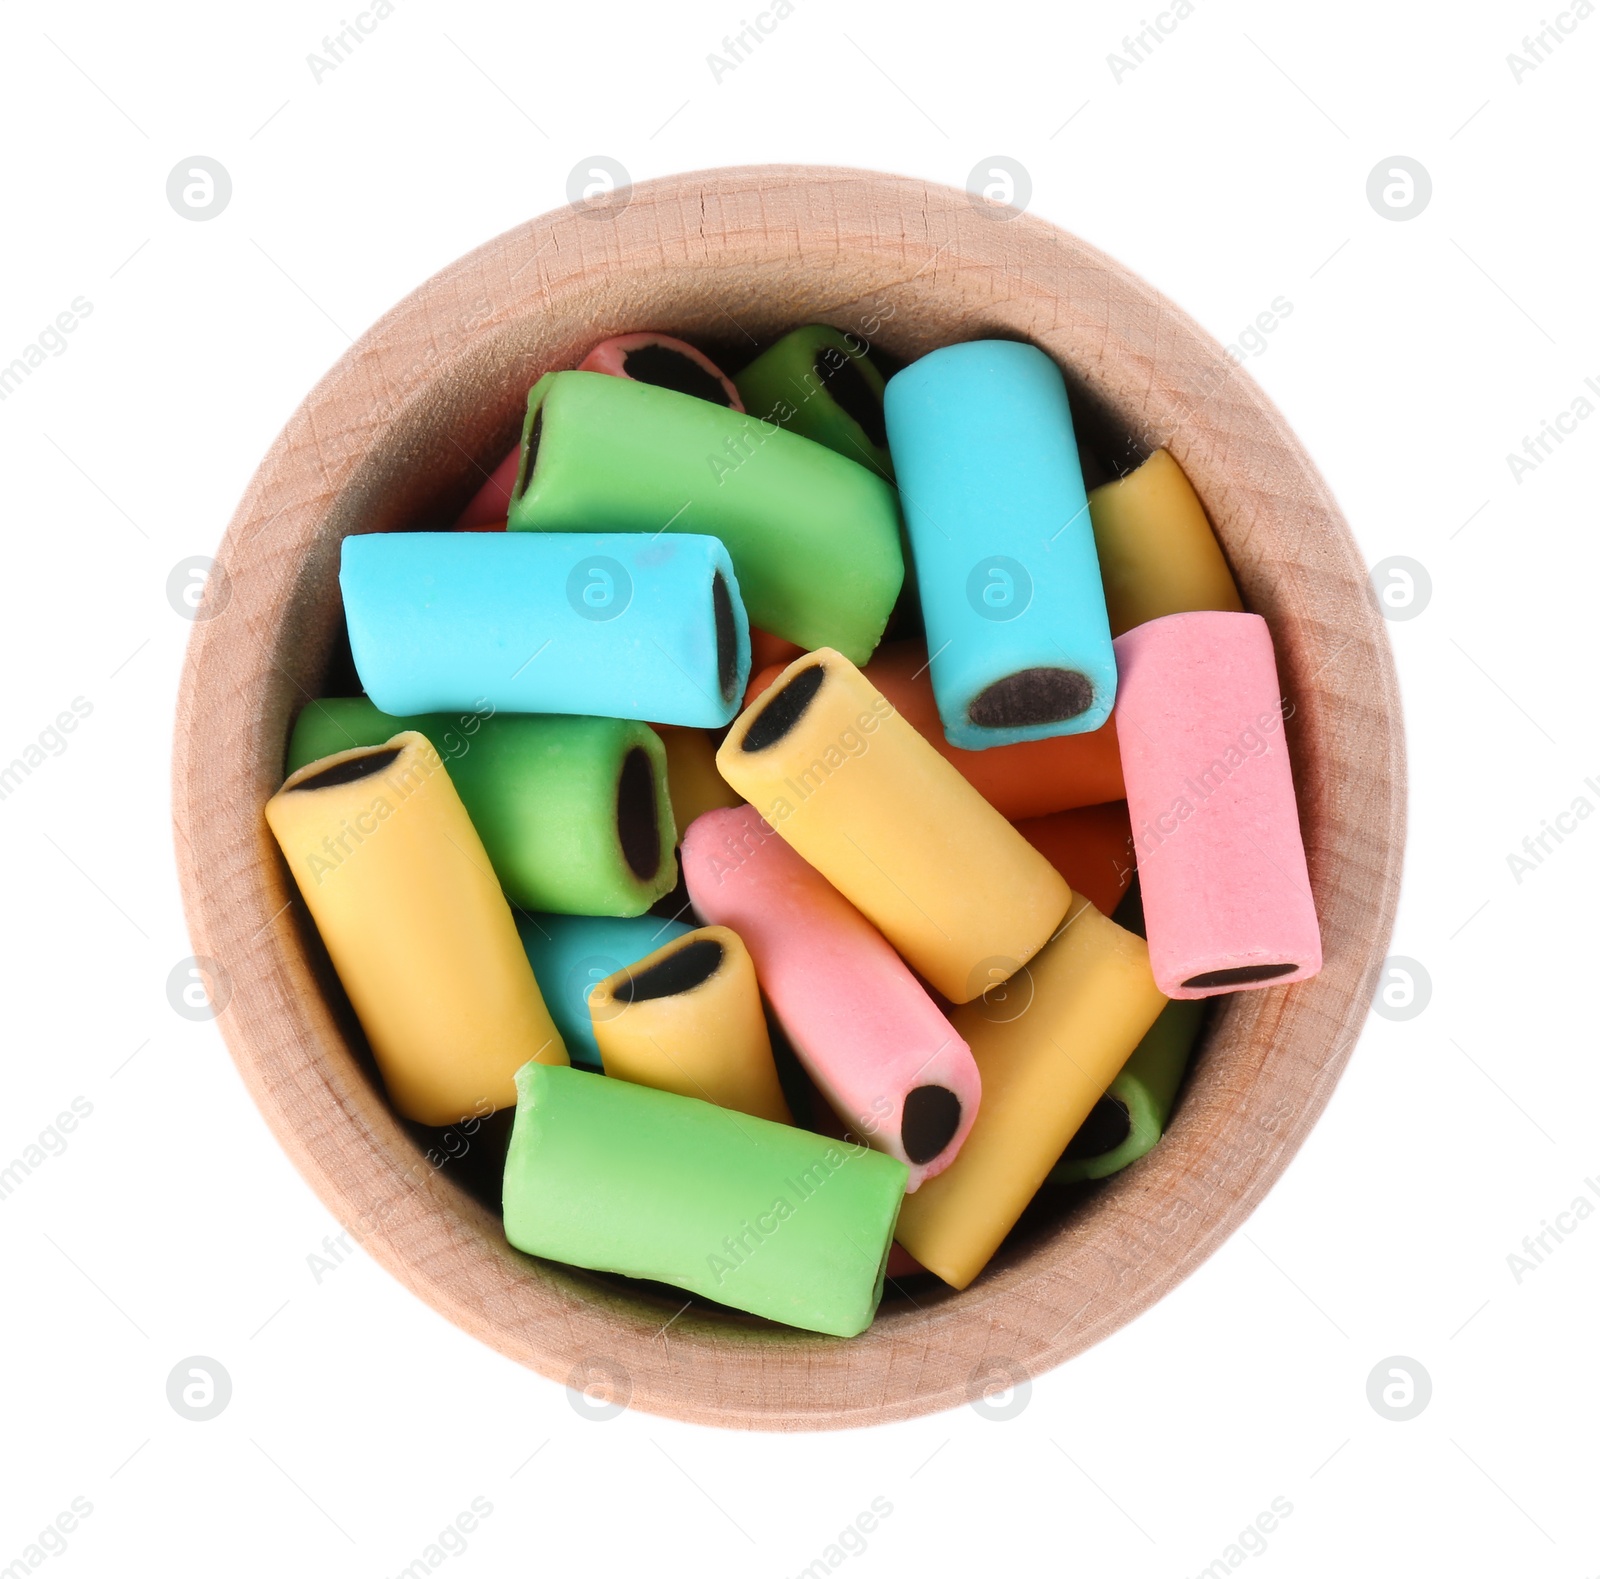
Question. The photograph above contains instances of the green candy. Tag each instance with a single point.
(821, 384)
(771, 1220)
(814, 538)
(573, 811)
(1139, 1099)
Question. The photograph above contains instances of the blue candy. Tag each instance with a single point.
(613, 624)
(994, 505)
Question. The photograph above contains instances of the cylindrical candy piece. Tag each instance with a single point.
(1047, 1044)
(573, 812)
(821, 384)
(766, 1218)
(408, 907)
(815, 539)
(1158, 554)
(1092, 847)
(1130, 1118)
(658, 359)
(688, 1018)
(1000, 537)
(613, 624)
(572, 954)
(830, 765)
(869, 1036)
(693, 781)
(1030, 779)
(1222, 870)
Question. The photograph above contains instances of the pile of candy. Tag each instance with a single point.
(918, 983)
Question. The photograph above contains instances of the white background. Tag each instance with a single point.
(1229, 169)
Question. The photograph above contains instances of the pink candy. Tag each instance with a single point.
(878, 1048)
(1222, 870)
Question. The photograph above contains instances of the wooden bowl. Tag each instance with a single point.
(400, 432)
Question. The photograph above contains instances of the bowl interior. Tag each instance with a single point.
(400, 434)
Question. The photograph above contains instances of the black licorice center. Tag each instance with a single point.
(783, 712)
(1239, 975)
(851, 392)
(637, 815)
(530, 456)
(727, 635)
(348, 772)
(1032, 696)
(930, 1117)
(668, 369)
(1106, 1127)
(681, 971)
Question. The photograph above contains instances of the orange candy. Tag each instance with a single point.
(759, 682)
(1091, 846)
(767, 650)
(1028, 780)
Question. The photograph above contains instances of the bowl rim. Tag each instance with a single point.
(1272, 1056)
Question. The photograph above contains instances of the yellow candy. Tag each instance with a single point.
(1047, 1045)
(400, 888)
(688, 1019)
(693, 783)
(1158, 554)
(846, 781)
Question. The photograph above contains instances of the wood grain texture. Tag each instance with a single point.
(401, 431)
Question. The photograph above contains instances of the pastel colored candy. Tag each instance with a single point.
(830, 765)
(766, 1218)
(613, 624)
(994, 505)
(815, 539)
(1158, 554)
(648, 358)
(408, 908)
(1047, 1045)
(870, 1037)
(667, 363)
(573, 812)
(1092, 847)
(1130, 1118)
(1222, 870)
(572, 954)
(688, 1018)
(821, 384)
(486, 511)
(693, 781)
(1029, 779)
